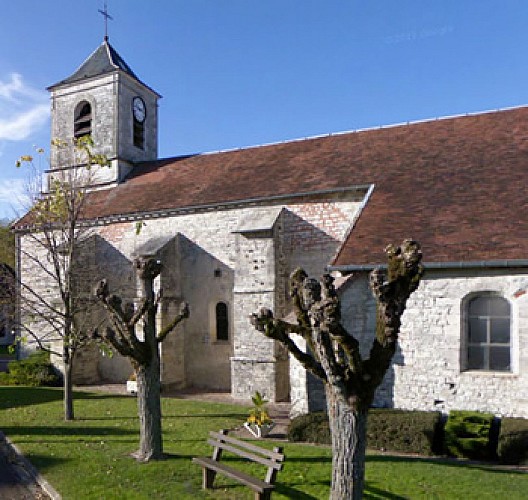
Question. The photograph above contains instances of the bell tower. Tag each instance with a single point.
(104, 98)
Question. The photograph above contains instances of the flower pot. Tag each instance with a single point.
(259, 431)
(131, 386)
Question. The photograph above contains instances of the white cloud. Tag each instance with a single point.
(13, 197)
(20, 126)
(23, 109)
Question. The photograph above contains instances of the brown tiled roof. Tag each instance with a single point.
(457, 185)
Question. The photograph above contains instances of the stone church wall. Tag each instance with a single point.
(427, 373)
(100, 95)
(215, 257)
(107, 112)
(311, 235)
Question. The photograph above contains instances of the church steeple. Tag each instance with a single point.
(102, 61)
(106, 99)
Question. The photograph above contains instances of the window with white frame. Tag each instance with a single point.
(488, 333)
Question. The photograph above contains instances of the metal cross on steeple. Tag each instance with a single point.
(106, 16)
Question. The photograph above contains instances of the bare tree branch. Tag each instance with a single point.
(182, 314)
(279, 330)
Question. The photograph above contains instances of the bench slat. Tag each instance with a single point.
(250, 481)
(243, 444)
(245, 454)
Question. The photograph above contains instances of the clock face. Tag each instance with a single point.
(139, 109)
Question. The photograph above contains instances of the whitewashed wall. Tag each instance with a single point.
(427, 373)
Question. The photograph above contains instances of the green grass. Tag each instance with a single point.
(89, 458)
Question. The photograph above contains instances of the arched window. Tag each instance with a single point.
(488, 333)
(222, 321)
(83, 120)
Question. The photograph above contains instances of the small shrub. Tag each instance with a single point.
(467, 435)
(404, 431)
(387, 429)
(310, 428)
(35, 371)
(513, 441)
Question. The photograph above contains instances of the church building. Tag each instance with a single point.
(229, 228)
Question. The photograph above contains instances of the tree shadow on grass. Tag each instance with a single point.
(290, 492)
(207, 416)
(45, 462)
(378, 494)
(307, 460)
(447, 462)
(65, 431)
(370, 491)
(14, 396)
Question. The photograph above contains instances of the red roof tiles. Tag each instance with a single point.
(457, 185)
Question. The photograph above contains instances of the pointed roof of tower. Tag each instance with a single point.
(102, 61)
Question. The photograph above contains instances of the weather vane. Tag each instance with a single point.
(106, 16)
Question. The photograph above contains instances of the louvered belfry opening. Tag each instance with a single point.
(83, 120)
(139, 134)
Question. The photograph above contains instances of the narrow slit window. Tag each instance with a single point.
(222, 321)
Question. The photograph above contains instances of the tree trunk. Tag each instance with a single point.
(144, 353)
(68, 388)
(349, 438)
(149, 385)
(149, 411)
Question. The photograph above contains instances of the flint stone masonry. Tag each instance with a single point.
(306, 391)
(240, 256)
(110, 97)
(428, 371)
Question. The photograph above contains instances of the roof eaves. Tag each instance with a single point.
(478, 264)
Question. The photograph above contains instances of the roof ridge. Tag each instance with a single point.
(366, 129)
(109, 54)
(103, 60)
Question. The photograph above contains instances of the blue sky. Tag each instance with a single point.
(236, 73)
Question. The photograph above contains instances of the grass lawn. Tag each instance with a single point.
(88, 458)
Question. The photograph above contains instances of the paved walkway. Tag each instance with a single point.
(17, 481)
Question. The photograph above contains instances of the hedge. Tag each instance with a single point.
(513, 441)
(36, 370)
(467, 435)
(387, 430)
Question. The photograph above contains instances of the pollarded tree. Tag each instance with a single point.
(144, 354)
(349, 380)
(54, 312)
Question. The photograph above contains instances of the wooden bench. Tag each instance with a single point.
(220, 442)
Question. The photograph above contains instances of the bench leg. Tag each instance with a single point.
(266, 495)
(208, 477)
